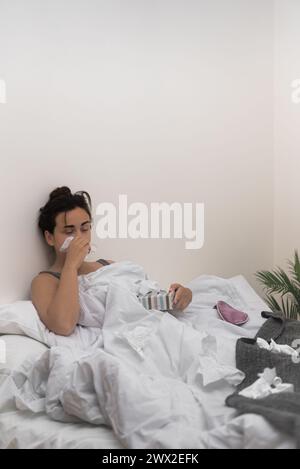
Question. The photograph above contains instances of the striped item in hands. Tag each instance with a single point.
(161, 300)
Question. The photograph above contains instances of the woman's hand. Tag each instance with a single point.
(183, 296)
(77, 251)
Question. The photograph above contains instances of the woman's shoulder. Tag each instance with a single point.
(54, 276)
(43, 285)
(45, 276)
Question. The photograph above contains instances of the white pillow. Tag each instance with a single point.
(22, 318)
(14, 349)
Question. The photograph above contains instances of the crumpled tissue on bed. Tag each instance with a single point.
(277, 348)
(268, 383)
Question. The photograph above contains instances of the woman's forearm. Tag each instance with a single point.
(64, 309)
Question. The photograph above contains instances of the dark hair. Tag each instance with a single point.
(60, 200)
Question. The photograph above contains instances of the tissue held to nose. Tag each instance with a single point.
(66, 244)
(67, 241)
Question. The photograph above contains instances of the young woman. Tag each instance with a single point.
(54, 292)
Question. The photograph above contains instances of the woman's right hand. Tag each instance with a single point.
(77, 251)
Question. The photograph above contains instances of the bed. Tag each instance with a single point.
(23, 429)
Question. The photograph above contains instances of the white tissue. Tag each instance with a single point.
(67, 241)
(268, 383)
(276, 348)
(66, 244)
(137, 338)
(147, 286)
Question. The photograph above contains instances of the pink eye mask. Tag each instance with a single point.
(229, 314)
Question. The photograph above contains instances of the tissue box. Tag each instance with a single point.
(161, 300)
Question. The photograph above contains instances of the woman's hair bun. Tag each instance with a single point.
(61, 200)
(60, 192)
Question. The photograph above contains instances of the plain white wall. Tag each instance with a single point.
(162, 100)
(287, 134)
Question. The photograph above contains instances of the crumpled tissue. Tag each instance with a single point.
(152, 296)
(267, 384)
(277, 348)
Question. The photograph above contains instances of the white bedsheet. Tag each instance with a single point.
(21, 429)
(154, 378)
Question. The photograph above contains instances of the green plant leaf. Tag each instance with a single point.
(271, 282)
(272, 303)
(295, 268)
(278, 282)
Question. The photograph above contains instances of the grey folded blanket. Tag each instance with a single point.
(282, 410)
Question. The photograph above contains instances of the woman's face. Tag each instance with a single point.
(72, 223)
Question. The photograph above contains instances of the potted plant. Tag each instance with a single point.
(283, 291)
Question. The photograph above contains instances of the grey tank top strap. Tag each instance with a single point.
(103, 261)
(57, 274)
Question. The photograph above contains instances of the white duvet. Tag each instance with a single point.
(158, 379)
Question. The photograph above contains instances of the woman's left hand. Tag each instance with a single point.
(183, 296)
